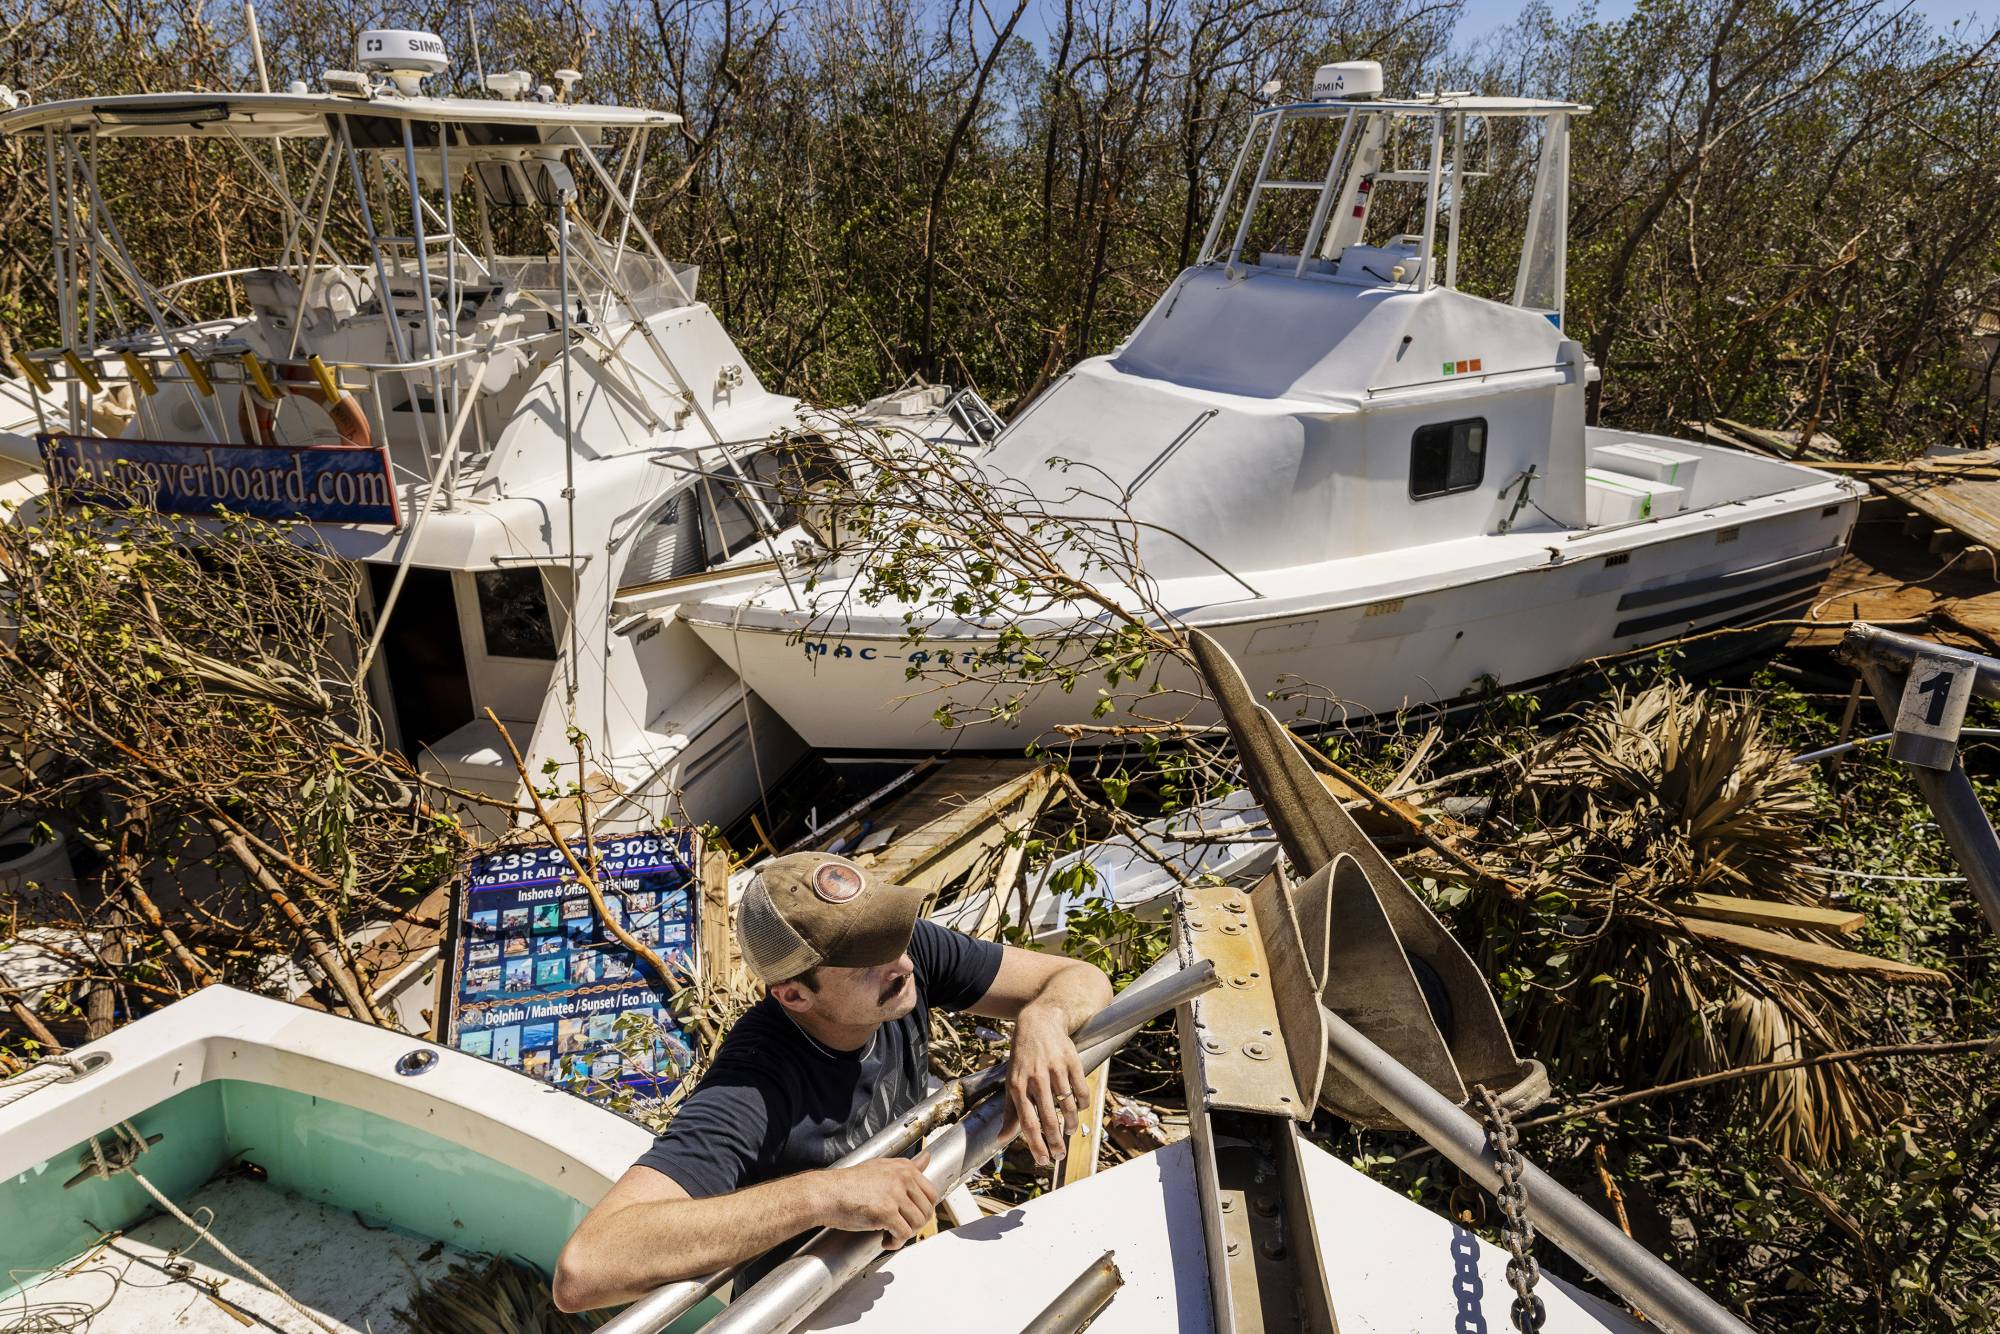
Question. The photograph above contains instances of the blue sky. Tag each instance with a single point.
(1484, 16)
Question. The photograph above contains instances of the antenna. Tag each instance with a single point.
(560, 189)
(472, 35)
(256, 46)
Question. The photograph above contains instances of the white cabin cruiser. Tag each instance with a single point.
(1333, 457)
(507, 441)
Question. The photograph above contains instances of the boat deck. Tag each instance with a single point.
(159, 1276)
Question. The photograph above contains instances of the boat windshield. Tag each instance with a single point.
(1373, 192)
(412, 252)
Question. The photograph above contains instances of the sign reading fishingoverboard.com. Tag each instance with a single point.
(538, 983)
(318, 483)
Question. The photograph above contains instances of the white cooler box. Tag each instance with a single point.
(1654, 463)
(1616, 497)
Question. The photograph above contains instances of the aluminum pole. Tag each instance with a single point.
(1163, 987)
(1082, 1301)
(1631, 1270)
(1865, 644)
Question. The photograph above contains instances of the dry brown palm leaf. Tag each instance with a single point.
(1648, 798)
(492, 1295)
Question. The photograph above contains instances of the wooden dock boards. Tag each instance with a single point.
(1969, 506)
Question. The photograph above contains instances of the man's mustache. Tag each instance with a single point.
(889, 992)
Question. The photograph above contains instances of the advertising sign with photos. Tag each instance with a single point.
(539, 984)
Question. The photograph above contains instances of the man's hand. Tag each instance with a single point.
(889, 1195)
(1048, 997)
(1045, 1082)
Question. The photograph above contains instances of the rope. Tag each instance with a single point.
(62, 1070)
(124, 1156)
(61, 1317)
(1900, 879)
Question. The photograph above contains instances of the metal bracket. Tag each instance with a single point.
(1901, 674)
(1236, 1052)
(1265, 1268)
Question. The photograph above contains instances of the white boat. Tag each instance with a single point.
(343, 1163)
(1334, 457)
(509, 442)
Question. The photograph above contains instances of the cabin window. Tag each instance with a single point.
(1446, 457)
(670, 546)
(514, 614)
(728, 523)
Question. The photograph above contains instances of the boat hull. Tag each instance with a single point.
(1446, 646)
(344, 1161)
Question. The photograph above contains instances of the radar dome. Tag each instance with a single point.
(1348, 81)
(405, 55)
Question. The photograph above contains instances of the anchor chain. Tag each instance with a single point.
(1516, 1230)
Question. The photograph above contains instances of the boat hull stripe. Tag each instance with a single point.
(1716, 583)
(1682, 616)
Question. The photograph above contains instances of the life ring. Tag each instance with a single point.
(258, 416)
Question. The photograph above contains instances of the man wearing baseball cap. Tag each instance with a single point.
(836, 1050)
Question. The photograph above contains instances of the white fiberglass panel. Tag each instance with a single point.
(1249, 482)
(1391, 1264)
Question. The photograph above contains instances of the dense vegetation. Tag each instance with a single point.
(1783, 210)
(1855, 1195)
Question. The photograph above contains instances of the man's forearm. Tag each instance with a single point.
(624, 1255)
(1070, 998)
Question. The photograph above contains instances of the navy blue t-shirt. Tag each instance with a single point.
(773, 1103)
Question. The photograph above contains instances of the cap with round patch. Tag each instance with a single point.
(837, 882)
(812, 908)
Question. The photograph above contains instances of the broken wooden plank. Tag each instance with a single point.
(1771, 441)
(1415, 762)
(1809, 953)
(1377, 815)
(1009, 871)
(1721, 435)
(1955, 468)
(1970, 508)
(1081, 1149)
(1771, 913)
(715, 943)
(933, 856)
